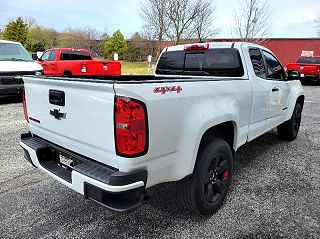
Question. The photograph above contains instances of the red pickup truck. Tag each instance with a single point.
(77, 62)
(309, 68)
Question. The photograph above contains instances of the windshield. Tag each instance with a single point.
(309, 60)
(212, 62)
(13, 52)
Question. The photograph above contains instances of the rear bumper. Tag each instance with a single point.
(111, 188)
(10, 90)
(310, 77)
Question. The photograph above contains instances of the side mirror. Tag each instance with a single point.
(34, 57)
(294, 75)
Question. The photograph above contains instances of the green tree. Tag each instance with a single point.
(138, 48)
(41, 36)
(115, 44)
(16, 30)
(134, 50)
(34, 46)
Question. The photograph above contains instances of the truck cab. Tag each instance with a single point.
(15, 62)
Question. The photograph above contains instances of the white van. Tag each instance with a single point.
(15, 62)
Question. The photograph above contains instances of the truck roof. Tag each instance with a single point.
(215, 45)
(69, 49)
(11, 42)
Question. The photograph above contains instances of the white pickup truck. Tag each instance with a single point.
(111, 138)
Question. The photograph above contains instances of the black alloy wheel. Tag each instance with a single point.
(217, 178)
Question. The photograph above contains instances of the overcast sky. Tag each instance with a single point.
(290, 18)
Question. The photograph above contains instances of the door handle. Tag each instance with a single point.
(57, 97)
(274, 89)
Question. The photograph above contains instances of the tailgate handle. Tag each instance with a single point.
(57, 97)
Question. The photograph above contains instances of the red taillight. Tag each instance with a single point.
(83, 68)
(198, 46)
(130, 127)
(25, 112)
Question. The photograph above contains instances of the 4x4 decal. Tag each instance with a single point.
(163, 90)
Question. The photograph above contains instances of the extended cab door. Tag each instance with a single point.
(279, 89)
(48, 62)
(43, 61)
(261, 93)
(52, 68)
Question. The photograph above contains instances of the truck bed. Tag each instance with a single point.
(136, 78)
(104, 78)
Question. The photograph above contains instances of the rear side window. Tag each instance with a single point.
(74, 55)
(309, 60)
(213, 62)
(257, 63)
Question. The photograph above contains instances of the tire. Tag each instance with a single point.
(204, 191)
(67, 73)
(289, 129)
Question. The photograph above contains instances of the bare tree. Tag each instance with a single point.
(153, 13)
(252, 20)
(182, 15)
(84, 37)
(177, 20)
(318, 27)
(204, 24)
(31, 21)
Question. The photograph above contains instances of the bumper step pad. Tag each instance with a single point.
(48, 157)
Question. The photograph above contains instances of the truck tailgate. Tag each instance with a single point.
(304, 68)
(96, 67)
(83, 125)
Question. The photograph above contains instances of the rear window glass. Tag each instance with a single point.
(309, 60)
(214, 62)
(74, 55)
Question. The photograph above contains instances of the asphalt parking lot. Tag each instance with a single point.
(275, 193)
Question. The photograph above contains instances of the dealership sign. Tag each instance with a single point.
(307, 53)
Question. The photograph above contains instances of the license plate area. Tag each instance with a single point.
(50, 160)
(65, 161)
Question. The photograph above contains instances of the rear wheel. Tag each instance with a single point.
(204, 191)
(68, 73)
(289, 129)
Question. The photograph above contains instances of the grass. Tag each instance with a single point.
(136, 68)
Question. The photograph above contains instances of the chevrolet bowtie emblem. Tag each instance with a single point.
(57, 114)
